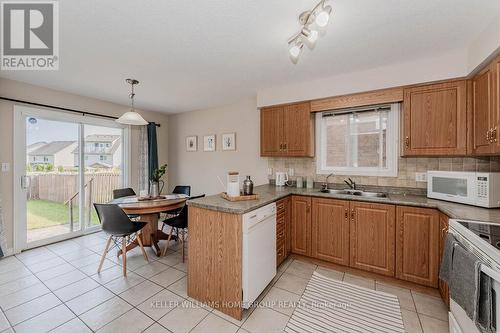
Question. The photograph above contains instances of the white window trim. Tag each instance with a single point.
(392, 150)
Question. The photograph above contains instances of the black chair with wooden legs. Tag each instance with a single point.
(125, 192)
(178, 222)
(121, 230)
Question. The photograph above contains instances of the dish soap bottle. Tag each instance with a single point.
(247, 186)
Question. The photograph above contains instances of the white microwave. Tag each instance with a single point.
(473, 188)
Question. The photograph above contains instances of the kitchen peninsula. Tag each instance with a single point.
(400, 236)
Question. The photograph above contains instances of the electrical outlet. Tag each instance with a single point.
(291, 172)
(421, 176)
(5, 167)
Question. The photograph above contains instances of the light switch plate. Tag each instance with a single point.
(421, 176)
(5, 167)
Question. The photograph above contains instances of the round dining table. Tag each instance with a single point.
(149, 212)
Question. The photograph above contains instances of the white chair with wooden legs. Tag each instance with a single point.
(118, 225)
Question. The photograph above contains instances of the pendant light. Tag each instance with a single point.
(131, 117)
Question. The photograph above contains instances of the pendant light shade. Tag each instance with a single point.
(132, 117)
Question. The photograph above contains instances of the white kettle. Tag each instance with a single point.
(281, 178)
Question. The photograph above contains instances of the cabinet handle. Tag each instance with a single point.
(308, 208)
(407, 142)
(352, 214)
(284, 146)
(488, 135)
(346, 214)
(494, 134)
(281, 146)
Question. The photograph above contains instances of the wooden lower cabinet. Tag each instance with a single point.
(330, 230)
(301, 225)
(443, 232)
(283, 230)
(417, 245)
(372, 243)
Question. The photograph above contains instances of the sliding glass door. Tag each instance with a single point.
(64, 164)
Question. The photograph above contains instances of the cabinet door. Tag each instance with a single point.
(482, 111)
(372, 235)
(443, 231)
(271, 131)
(495, 67)
(435, 119)
(283, 230)
(298, 130)
(330, 230)
(417, 245)
(301, 225)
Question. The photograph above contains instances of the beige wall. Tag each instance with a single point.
(23, 91)
(200, 169)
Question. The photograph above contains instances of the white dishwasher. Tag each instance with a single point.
(259, 251)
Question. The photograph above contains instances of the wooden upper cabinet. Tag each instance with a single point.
(417, 245)
(435, 119)
(482, 112)
(372, 232)
(271, 131)
(330, 230)
(301, 225)
(495, 67)
(287, 130)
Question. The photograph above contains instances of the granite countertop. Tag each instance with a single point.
(270, 193)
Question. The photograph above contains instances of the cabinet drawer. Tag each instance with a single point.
(280, 252)
(280, 220)
(280, 207)
(280, 233)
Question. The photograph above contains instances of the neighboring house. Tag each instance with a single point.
(101, 151)
(57, 153)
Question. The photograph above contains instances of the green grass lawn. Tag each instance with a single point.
(42, 214)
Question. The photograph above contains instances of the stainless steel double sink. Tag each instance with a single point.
(355, 193)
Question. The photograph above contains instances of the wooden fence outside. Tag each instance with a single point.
(59, 187)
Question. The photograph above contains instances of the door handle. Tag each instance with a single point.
(25, 182)
(407, 142)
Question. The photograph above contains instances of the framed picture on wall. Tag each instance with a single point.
(209, 143)
(192, 143)
(229, 141)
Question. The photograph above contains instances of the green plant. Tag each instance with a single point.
(49, 167)
(29, 168)
(158, 173)
(60, 168)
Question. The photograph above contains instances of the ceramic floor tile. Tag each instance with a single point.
(41, 266)
(17, 285)
(64, 280)
(55, 271)
(179, 287)
(107, 275)
(32, 308)
(160, 304)
(36, 256)
(284, 265)
(134, 261)
(141, 292)
(23, 296)
(433, 325)
(359, 281)
(46, 321)
(183, 318)
(430, 306)
(89, 300)
(280, 300)
(411, 321)
(156, 328)
(13, 275)
(91, 269)
(213, 323)
(292, 283)
(105, 313)
(123, 283)
(151, 269)
(74, 326)
(76, 289)
(330, 273)
(301, 269)
(167, 277)
(9, 264)
(264, 320)
(87, 260)
(171, 259)
(130, 322)
(80, 253)
(404, 295)
(4, 323)
(244, 317)
(182, 266)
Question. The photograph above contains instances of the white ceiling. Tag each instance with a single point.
(197, 54)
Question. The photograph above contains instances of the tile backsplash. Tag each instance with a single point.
(407, 168)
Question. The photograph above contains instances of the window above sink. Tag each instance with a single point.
(359, 141)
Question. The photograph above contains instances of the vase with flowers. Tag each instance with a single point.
(155, 181)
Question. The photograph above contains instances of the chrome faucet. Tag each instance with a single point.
(350, 183)
(325, 184)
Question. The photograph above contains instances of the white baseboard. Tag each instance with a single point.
(9, 252)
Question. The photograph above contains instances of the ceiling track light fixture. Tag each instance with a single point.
(312, 21)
